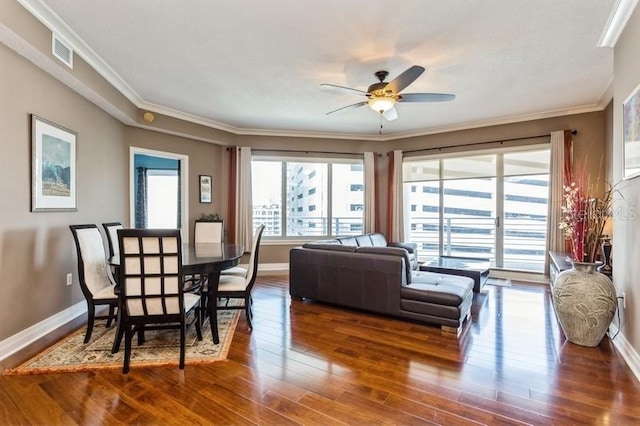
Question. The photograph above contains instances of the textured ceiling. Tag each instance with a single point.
(257, 66)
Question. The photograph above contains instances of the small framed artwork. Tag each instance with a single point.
(205, 189)
(631, 134)
(53, 166)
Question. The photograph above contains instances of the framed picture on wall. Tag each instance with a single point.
(53, 166)
(205, 189)
(631, 134)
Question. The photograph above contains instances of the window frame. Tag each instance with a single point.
(357, 160)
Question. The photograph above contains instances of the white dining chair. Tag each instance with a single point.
(96, 286)
(208, 232)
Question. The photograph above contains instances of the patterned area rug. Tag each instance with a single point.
(161, 348)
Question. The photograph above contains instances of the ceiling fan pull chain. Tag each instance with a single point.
(380, 132)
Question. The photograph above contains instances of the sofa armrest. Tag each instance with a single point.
(410, 247)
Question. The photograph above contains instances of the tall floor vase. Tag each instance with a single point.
(585, 303)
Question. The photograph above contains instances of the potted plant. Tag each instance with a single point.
(209, 217)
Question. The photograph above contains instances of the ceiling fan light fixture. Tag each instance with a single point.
(381, 104)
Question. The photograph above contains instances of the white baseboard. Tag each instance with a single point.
(273, 268)
(626, 350)
(13, 344)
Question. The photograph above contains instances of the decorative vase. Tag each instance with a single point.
(585, 303)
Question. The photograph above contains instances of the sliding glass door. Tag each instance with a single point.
(491, 206)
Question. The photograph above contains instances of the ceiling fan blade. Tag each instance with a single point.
(426, 97)
(335, 86)
(403, 80)
(391, 114)
(356, 105)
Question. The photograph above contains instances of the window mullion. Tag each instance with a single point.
(285, 200)
(499, 229)
(441, 209)
(330, 199)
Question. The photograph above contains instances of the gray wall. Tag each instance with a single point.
(36, 250)
(626, 244)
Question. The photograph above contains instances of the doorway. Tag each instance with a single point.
(159, 182)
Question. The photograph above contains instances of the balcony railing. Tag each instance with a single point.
(311, 226)
(524, 240)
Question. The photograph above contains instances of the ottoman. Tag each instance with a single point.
(444, 299)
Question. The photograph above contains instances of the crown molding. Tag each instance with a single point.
(497, 122)
(395, 136)
(620, 14)
(46, 63)
(51, 20)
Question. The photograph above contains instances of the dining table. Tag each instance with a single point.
(200, 259)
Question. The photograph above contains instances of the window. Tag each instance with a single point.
(162, 198)
(323, 197)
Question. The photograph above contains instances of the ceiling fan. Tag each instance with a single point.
(382, 96)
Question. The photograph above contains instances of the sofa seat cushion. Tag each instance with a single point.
(439, 289)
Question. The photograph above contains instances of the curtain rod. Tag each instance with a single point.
(501, 141)
(306, 151)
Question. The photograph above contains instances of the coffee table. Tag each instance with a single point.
(475, 268)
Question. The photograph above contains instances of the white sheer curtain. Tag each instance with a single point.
(244, 210)
(396, 199)
(555, 239)
(369, 192)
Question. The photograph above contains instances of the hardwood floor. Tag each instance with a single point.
(308, 363)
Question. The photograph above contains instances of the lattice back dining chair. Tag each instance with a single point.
(98, 290)
(151, 287)
(238, 287)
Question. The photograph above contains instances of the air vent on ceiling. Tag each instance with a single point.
(62, 51)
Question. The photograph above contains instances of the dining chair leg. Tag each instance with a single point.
(183, 332)
(112, 310)
(247, 309)
(141, 335)
(213, 322)
(198, 324)
(119, 332)
(128, 336)
(90, 320)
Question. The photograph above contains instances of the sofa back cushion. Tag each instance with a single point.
(378, 240)
(329, 246)
(334, 241)
(348, 241)
(393, 251)
(364, 241)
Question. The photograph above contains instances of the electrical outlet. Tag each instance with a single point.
(69, 278)
(624, 301)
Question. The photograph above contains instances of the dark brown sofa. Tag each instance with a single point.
(378, 277)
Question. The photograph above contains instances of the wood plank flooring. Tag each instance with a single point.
(309, 363)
